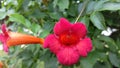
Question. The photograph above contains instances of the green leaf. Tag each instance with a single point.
(25, 4)
(106, 39)
(26, 54)
(111, 6)
(44, 33)
(90, 8)
(20, 2)
(98, 20)
(50, 61)
(55, 15)
(95, 32)
(73, 10)
(2, 13)
(38, 14)
(91, 59)
(99, 4)
(118, 43)
(85, 20)
(63, 4)
(35, 28)
(40, 64)
(105, 64)
(27, 23)
(55, 3)
(18, 64)
(99, 46)
(114, 59)
(17, 18)
(110, 42)
(48, 26)
(2, 54)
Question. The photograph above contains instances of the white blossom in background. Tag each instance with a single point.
(1, 47)
(108, 31)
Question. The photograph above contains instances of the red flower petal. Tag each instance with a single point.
(79, 29)
(52, 43)
(4, 30)
(4, 37)
(84, 46)
(5, 47)
(1, 37)
(61, 26)
(68, 56)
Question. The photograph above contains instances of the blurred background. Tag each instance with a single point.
(37, 17)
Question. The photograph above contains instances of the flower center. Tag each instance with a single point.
(68, 38)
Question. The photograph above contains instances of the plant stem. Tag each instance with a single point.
(83, 8)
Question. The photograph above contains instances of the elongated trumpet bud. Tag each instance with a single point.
(19, 38)
(9, 38)
(1, 64)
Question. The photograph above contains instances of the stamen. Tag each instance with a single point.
(68, 38)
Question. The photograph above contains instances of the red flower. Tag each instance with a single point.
(68, 42)
(9, 38)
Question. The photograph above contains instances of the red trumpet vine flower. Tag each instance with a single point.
(9, 38)
(68, 42)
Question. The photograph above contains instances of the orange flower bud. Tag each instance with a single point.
(9, 38)
(19, 38)
(1, 64)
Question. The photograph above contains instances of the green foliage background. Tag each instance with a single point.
(37, 17)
